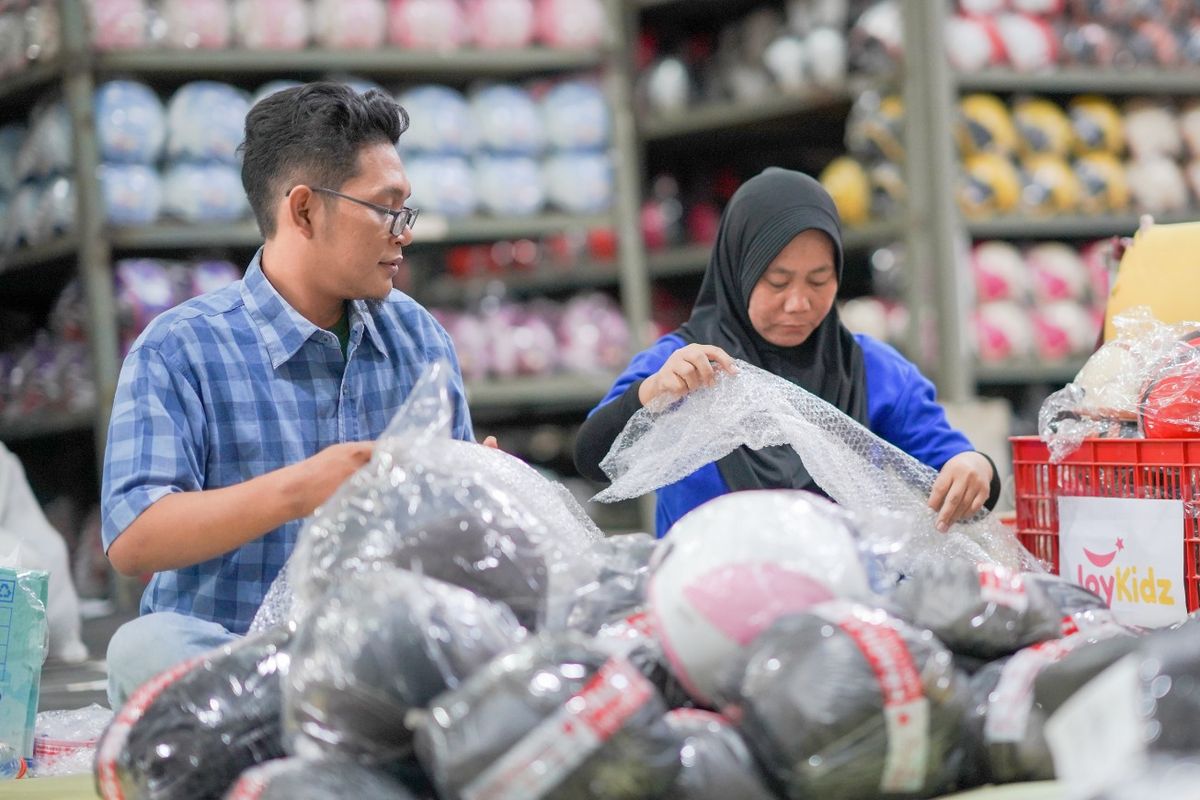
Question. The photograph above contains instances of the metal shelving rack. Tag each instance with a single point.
(692, 259)
(935, 234)
(939, 228)
(93, 244)
(716, 118)
(930, 224)
(732, 115)
(1083, 81)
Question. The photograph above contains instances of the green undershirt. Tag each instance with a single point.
(341, 329)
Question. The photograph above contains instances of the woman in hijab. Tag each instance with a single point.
(768, 299)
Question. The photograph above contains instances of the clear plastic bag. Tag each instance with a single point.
(297, 779)
(663, 444)
(466, 514)
(734, 565)
(1163, 777)
(1131, 702)
(188, 733)
(846, 702)
(983, 611)
(557, 717)
(65, 741)
(1005, 722)
(715, 762)
(1143, 383)
(380, 646)
(634, 638)
(620, 586)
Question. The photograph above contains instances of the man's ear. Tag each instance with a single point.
(299, 206)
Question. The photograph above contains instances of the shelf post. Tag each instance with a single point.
(95, 255)
(619, 78)
(626, 149)
(935, 243)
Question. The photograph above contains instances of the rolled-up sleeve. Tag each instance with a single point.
(155, 440)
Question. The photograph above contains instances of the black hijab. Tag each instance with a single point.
(765, 214)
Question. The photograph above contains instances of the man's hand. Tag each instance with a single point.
(689, 368)
(491, 442)
(961, 488)
(319, 476)
(186, 528)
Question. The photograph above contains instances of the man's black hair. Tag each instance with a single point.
(311, 134)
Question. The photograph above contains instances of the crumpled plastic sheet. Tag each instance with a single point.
(380, 646)
(887, 488)
(466, 514)
(65, 741)
(1145, 382)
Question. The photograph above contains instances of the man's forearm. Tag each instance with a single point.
(187, 528)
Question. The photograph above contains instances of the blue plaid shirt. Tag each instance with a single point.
(234, 384)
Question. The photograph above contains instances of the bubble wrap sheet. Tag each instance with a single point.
(1145, 382)
(885, 487)
(466, 514)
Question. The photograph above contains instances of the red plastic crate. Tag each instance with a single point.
(1159, 469)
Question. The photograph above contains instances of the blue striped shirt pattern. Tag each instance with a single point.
(236, 383)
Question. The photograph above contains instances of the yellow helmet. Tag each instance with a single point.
(991, 185)
(1097, 126)
(848, 185)
(1051, 186)
(985, 126)
(875, 128)
(1043, 127)
(888, 189)
(1103, 185)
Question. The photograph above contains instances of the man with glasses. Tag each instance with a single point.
(239, 412)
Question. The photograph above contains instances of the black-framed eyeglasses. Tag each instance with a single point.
(401, 218)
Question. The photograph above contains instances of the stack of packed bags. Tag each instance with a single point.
(452, 626)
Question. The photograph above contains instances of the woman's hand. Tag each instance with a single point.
(689, 368)
(961, 488)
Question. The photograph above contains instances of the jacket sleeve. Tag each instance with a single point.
(606, 421)
(601, 429)
(903, 409)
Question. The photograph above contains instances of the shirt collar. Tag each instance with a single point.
(361, 310)
(284, 329)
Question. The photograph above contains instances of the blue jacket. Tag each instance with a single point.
(901, 408)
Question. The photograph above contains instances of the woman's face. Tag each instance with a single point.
(796, 292)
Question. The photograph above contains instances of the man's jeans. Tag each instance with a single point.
(148, 645)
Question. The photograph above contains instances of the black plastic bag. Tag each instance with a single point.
(188, 733)
(384, 644)
(556, 718)
(845, 702)
(298, 779)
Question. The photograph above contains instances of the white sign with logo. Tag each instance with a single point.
(1130, 552)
